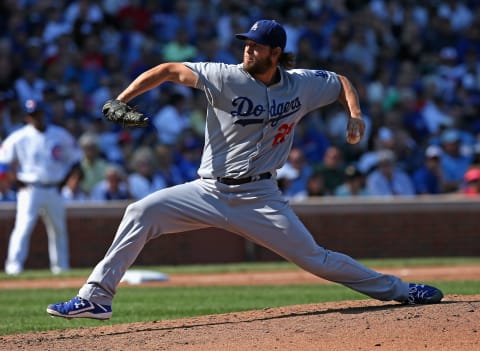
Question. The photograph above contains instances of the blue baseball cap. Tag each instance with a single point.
(31, 106)
(266, 32)
(450, 136)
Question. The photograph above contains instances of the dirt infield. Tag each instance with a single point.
(464, 272)
(453, 324)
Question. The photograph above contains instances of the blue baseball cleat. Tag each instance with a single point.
(423, 294)
(80, 308)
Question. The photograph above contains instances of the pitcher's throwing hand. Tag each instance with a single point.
(355, 130)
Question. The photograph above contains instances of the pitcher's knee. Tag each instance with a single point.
(133, 210)
(138, 210)
(147, 211)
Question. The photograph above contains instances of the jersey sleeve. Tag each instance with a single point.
(7, 150)
(322, 87)
(210, 77)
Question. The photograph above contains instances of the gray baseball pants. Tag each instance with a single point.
(257, 211)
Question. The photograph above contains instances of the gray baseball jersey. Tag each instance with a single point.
(249, 125)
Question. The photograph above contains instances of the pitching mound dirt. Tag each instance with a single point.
(355, 325)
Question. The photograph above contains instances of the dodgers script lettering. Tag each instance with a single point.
(245, 107)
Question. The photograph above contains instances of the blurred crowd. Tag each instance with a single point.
(415, 64)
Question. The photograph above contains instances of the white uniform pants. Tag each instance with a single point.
(32, 202)
(257, 211)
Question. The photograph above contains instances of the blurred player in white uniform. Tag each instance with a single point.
(252, 112)
(41, 156)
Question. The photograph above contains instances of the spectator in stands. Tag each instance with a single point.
(310, 136)
(471, 182)
(476, 155)
(135, 11)
(411, 116)
(77, 103)
(93, 163)
(384, 139)
(92, 63)
(132, 41)
(127, 144)
(83, 15)
(457, 12)
(171, 120)
(434, 111)
(354, 184)
(403, 145)
(7, 190)
(71, 191)
(285, 177)
(295, 26)
(428, 179)
(209, 50)
(109, 145)
(335, 124)
(361, 51)
(448, 73)
(454, 163)
(388, 179)
(55, 24)
(11, 114)
(197, 113)
(188, 153)
(168, 18)
(8, 73)
(297, 161)
(179, 49)
(30, 84)
(113, 186)
(167, 168)
(316, 185)
(144, 178)
(332, 169)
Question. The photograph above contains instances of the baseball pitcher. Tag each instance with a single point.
(253, 108)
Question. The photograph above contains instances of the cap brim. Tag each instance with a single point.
(34, 112)
(250, 36)
(241, 36)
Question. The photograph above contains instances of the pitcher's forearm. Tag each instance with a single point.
(148, 80)
(349, 98)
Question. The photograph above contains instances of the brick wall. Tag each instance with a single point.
(373, 228)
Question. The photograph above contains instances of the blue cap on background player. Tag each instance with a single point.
(32, 106)
(266, 32)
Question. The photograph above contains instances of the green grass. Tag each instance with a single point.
(254, 267)
(23, 310)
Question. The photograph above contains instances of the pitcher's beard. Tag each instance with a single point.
(257, 66)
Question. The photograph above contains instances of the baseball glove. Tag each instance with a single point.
(120, 112)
